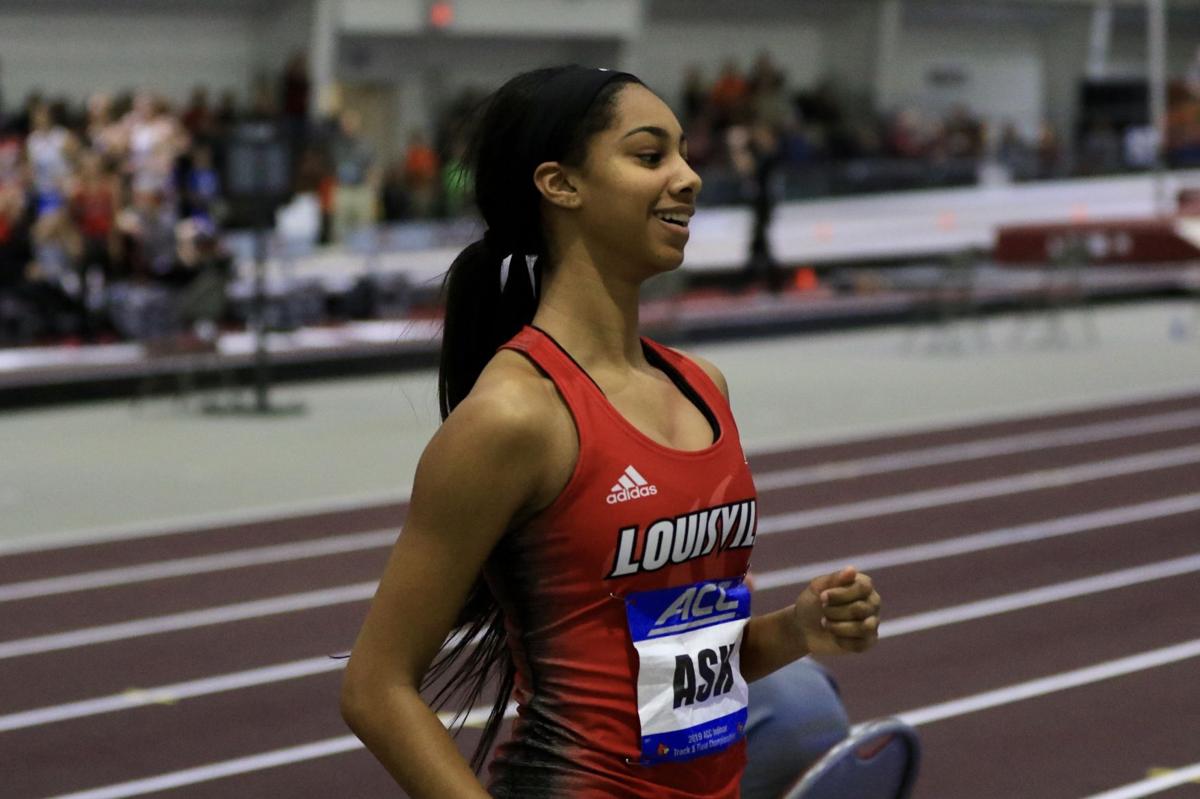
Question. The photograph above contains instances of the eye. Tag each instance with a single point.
(652, 159)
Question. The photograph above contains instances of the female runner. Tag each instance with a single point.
(584, 516)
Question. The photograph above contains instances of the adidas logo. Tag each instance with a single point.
(630, 485)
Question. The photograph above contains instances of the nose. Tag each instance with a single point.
(687, 181)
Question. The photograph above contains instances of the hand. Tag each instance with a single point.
(838, 613)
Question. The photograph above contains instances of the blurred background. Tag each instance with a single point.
(863, 147)
(962, 233)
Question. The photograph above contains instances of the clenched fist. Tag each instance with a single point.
(838, 613)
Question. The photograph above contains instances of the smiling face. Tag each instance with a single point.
(636, 191)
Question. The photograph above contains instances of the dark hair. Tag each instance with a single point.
(521, 125)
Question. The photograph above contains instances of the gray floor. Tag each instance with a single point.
(110, 470)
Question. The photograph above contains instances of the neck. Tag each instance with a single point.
(591, 312)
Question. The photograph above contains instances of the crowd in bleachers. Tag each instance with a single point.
(127, 191)
(116, 205)
(737, 118)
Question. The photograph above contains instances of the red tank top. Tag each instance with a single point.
(625, 606)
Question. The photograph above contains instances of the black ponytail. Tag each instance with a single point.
(544, 115)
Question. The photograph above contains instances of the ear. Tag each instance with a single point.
(554, 182)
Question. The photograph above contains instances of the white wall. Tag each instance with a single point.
(281, 30)
(74, 51)
(520, 18)
(1001, 73)
(427, 70)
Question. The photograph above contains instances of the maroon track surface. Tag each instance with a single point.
(1068, 743)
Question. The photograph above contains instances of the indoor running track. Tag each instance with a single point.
(1040, 580)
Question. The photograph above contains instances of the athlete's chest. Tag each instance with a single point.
(644, 523)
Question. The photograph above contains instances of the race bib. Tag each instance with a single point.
(690, 692)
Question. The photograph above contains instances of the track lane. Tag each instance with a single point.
(204, 540)
(73, 610)
(807, 455)
(912, 584)
(825, 541)
(923, 586)
(259, 716)
(1069, 744)
(241, 637)
(81, 609)
(20, 566)
(927, 667)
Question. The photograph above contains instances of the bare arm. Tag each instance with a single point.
(481, 469)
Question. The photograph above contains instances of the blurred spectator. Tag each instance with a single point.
(768, 103)
(1011, 149)
(421, 173)
(201, 195)
(198, 118)
(48, 148)
(393, 194)
(16, 221)
(199, 274)
(906, 135)
(1049, 151)
(147, 227)
(294, 90)
(94, 200)
(227, 112)
(103, 133)
(155, 139)
(264, 102)
(1100, 150)
(313, 179)
(728, 95)
(964, 133)
(355, 172)
(694, 97)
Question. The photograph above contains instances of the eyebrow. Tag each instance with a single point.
(654, 130)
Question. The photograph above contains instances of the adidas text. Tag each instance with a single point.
(626, 494)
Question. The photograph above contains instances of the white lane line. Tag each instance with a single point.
(951, 420)
(178, 567)
(225, 768)
(189, 524)
(107, 578)
(904, 625)
(1071, 589)
(983, 489)
(265, 760)
(765, 580)
(188, 620)
(478, 715)
(979, 542)
(1053, 683)
(1154, 785)
(169, 693)
(975, 450)
(927, 715)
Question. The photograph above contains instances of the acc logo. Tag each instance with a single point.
(630, 485)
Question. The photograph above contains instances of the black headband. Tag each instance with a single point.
(563, 101)
(560, 105)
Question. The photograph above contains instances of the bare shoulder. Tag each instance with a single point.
(509, 405)
(711, 370)
(514, 421)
